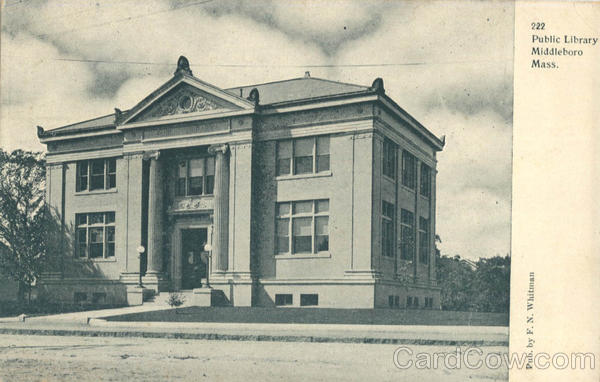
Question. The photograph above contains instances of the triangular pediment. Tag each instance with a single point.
(184, 97)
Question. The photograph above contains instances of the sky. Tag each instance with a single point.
(448, 63)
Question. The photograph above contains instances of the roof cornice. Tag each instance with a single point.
(52, 135)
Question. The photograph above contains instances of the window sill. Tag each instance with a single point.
(96, 260)
(304, 176)
(96, 192)
(406, 188)
(423, 196)
(320, 255)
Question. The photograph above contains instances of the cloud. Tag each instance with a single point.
(328, 27)
(36, 90)
(447, 63)
(450, 66)
(474, 183)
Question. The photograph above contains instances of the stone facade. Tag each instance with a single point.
(305, 202)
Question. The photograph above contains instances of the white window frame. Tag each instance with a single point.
(291, 216)
(386, 219)
(204, 176)
(87, 226)
(412, 227)
(107, 174)
(412, 180)
(389, 148)
(315, 156)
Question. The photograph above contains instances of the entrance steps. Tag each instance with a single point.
(187, 298)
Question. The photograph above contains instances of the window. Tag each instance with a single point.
(407, 235)
(79, 297)
(95, 235)
(283, 299)
(302, 227)
(412, 302)
(424, 247)
(409, 173)
(394, 301)
(425, 184)
(97, 174)
(389, 158)
(309, 299)
(429, 302)
(387, 228)
(303, 156)
(196, 177)
(98, 298)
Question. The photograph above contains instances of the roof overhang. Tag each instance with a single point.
(52, 136)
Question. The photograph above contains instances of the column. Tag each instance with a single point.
(240, 204)
(220, 235)
(133, 218)
(155, 207)
(361, 257)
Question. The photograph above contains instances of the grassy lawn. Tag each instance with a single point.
(319, 316)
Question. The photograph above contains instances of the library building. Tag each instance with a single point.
(301, 192)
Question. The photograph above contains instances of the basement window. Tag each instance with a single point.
(79, 297)
(283, 299)
(98, 298)
(309, 299)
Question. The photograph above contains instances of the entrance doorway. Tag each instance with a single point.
(193, 266)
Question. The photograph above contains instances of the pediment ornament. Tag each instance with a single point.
(181, 102)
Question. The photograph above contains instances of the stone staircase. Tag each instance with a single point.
(187, 297)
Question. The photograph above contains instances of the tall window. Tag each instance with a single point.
(407, 235)
(409, 173)
(387, 228)
(96, 174)
(95, 235)
(303, 155)
(196, 177)
(302, 227)
(425, 184)
(389, 158)
(424, 247)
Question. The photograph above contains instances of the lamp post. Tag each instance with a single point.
(140, 249)
(208, 250)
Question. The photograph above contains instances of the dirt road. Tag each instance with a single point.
(49, 358)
